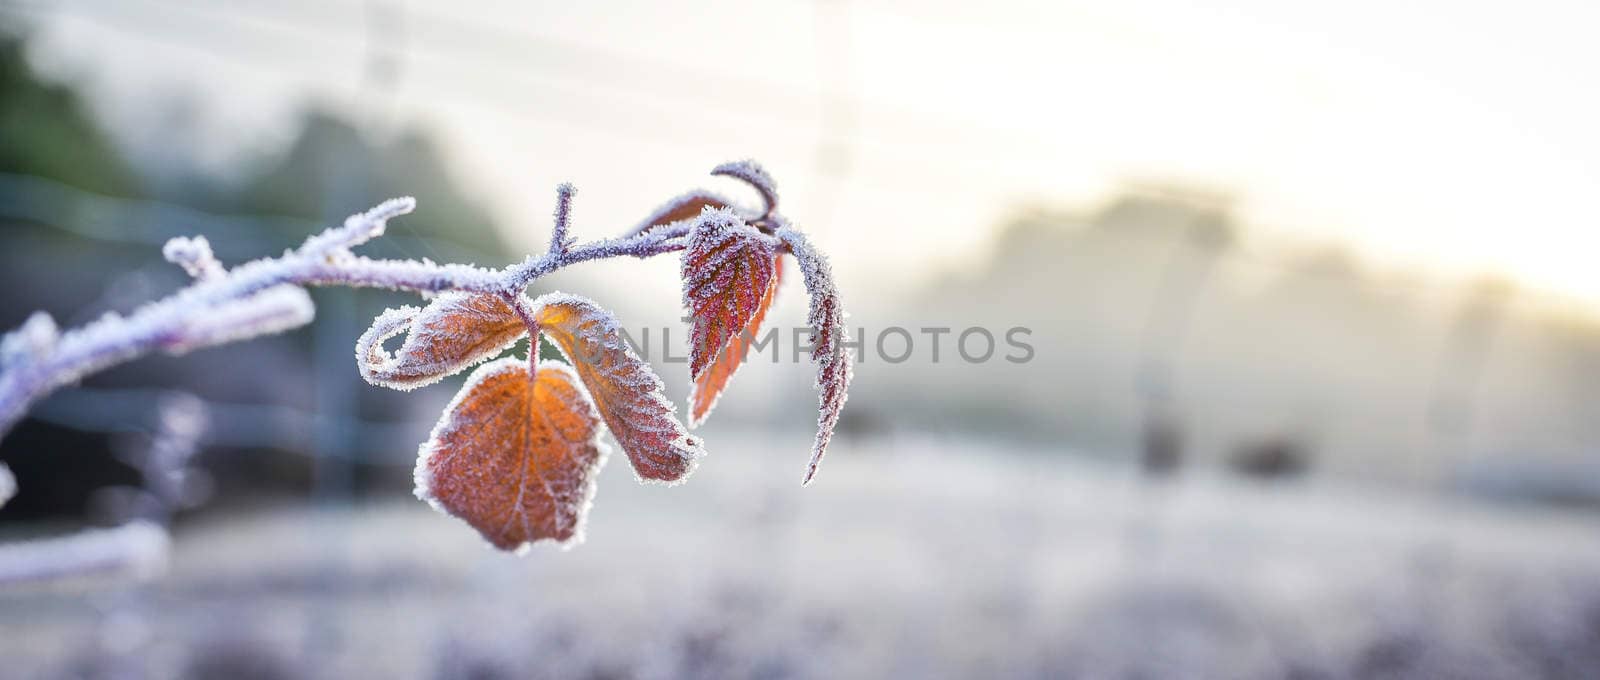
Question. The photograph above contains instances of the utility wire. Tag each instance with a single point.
(141, 221)
(489, 83)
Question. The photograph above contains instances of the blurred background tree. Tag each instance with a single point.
(70, 197)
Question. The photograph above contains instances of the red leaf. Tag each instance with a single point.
(627, 392)
(453, 332)
(727, 272)
(513, 456)
(828, 336)
(709, 386)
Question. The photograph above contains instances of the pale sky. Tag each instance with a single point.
(1455, 136)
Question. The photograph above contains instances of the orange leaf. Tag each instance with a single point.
(727, 271)
(709, 386)
(627, 392)
(828, 338)
(453, 332)
(513, 456)
(685, 207)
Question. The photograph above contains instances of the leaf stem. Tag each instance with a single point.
(524, 309)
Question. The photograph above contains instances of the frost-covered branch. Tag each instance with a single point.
(730, 273)
(267, 296)
(221, 306)
(139, 548)
(194, 255)
(563, 217)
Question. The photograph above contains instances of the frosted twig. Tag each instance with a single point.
(139, 547)
(558, 236)
(267, 296)
(653, 242)
(222, 306)
(194, 255)
(29, 341)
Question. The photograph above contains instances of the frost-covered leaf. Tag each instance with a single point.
(828, 337)
(628, 394)
(453, 332)
(685, 207)
(727, 270)
(513, 456)
(708, 386)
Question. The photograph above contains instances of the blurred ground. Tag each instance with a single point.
(908, 558)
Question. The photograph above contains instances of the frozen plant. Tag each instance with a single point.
(516, 452)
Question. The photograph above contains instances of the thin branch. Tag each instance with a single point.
(139, 548)
(559, 242)
(651, 243)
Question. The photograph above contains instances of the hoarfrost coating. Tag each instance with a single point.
(829, 340)
(727, 270)
(630, 396)
(756, 176)
(455, 331)
(480, 435)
